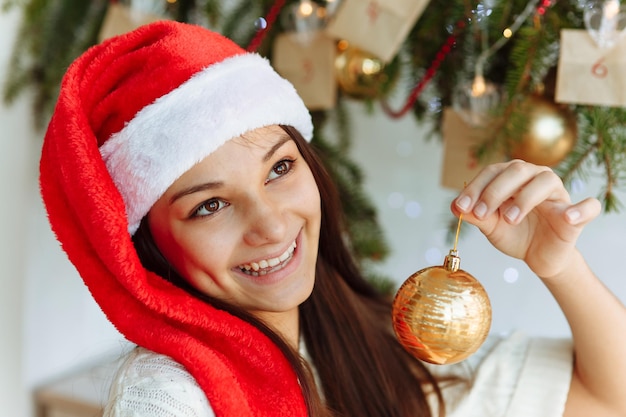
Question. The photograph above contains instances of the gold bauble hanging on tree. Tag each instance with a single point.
(550, 133)
(358, 73)
(442, 314)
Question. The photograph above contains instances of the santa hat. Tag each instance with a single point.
(168, 95)
(134, 113)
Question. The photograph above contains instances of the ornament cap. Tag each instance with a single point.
(452, 262)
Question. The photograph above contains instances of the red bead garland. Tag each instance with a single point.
(269, 19)
(441, 55)
(430, 73)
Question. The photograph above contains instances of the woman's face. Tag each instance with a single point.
(243, 224)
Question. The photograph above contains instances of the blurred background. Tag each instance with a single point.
(50, 327)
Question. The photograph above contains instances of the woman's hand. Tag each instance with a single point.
(525, 212)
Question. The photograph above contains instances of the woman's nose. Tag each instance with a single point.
(265, 222)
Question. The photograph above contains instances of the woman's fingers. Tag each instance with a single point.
(514, 188)
(526, 212)
(545, 186)
(583, 212)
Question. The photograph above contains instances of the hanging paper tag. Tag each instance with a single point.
(588, 74)
(120, 19)
(309, 66)
(376, 26)
(460, 164)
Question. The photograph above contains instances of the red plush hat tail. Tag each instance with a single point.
(241, 371)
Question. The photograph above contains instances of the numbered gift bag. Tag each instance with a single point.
(376, 26)
(460, 163)
(588, 74)
(309, 66)
(120, 19)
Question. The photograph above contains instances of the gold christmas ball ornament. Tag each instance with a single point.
(442, 314)
(358, 73)
(550, 134)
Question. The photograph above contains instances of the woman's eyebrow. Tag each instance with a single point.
(216, 184)
(283, 138)
(194, 189)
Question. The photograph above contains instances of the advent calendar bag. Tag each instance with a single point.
(378, 27)
(588, 74)
(309, 66)
(460, 139)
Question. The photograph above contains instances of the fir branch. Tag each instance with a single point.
(213, 11)
(52, 38)
(9, 4)
(234, 27)
(343, 127)
(183, 10)
(365, 236)
(522, 58)
(601, 138)
(53, 32)
(575, 163)
(20, 74)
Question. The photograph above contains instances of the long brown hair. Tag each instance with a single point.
(346, 324)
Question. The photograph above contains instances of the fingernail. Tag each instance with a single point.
(512, 213)
(573, 216)
(464, 202)
(480, 209)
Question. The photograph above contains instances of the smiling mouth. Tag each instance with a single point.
(266, 266)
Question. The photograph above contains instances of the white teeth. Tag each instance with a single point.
(260, 268)
(284, 256)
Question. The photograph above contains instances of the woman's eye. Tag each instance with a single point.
(209, 207)
(280, 169)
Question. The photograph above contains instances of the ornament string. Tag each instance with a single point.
(270, 18)
(458, 230)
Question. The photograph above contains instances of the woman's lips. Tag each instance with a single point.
(266, 266)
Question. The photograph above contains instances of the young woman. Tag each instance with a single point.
(178, 176)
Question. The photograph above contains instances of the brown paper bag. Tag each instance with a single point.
(376, 26)
(588, 74)
(309, 66)
(120, 19)
(460, 164)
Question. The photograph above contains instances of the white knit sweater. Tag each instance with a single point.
(512, 376)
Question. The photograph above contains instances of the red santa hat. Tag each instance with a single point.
(168, 98)
(134, 113)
